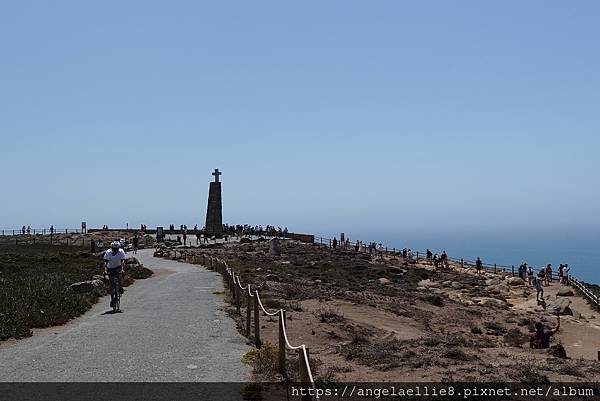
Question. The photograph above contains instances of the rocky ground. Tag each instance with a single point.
(384, 319)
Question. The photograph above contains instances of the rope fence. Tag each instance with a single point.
(254, 307)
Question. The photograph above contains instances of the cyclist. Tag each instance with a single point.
(114, 259)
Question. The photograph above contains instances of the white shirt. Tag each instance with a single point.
(114, 261)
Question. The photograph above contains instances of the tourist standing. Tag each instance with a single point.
(445, 259)
(549, 274)
(136, 241)
(537, 284)
(478, 265)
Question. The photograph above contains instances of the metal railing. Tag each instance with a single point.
(39, 231)
(585, 291)
(57, 239)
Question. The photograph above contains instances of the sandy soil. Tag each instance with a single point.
(370, 319)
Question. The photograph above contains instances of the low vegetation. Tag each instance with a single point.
(34, 286)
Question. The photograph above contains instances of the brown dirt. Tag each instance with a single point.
(424, 325)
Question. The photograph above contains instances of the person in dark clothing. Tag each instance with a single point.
(478, 265)
(540, 338)
(136, 241)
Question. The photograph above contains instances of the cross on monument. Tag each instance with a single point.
(217, 173)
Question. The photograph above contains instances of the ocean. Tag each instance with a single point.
(577, 248)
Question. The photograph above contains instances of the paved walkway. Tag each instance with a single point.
(172, 328)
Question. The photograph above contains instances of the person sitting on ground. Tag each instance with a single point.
(537, 284)
(436, 260)
(540, 338)
(478, 265)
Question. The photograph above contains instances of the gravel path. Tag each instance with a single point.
(173, 328)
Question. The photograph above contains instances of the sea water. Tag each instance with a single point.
(578, 248)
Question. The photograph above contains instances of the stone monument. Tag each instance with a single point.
(274, 247)
(214, 212)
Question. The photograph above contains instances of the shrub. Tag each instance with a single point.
(515, 338)
(328, 315)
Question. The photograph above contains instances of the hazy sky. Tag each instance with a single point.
(336, 115)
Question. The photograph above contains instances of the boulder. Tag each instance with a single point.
(515, 281)
(274, 247)
(565, 292)
(383, 281)
(561, 307)
(490, 302)
(428, 283)
(456, 285)
(271, 277)
(492, 281)
(84, 287)
(131, 261)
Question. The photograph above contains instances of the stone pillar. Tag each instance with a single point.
(274, 247)
(214, 212)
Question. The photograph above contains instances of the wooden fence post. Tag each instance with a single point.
(302, 369)
(248, 313)
(281, 342)
(256, 322)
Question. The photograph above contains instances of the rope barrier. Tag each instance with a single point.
(263, 308)
(305, 369)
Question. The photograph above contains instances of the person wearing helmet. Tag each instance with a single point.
(114, 260)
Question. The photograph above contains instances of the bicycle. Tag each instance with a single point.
(115, 299)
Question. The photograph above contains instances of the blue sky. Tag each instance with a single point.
(323, 116)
